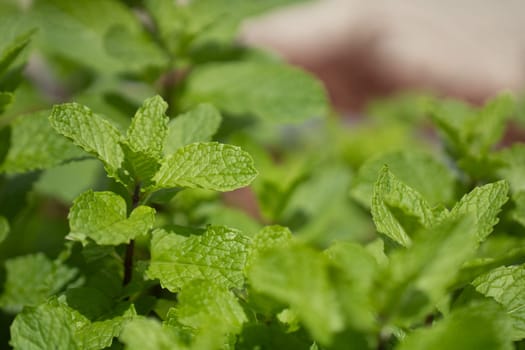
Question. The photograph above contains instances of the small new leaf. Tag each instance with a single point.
(484, 203)
(91, 132)
(101, 216)
(219, 256)
(211, 166)
(390, 193)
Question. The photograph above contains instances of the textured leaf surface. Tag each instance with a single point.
(484, 203)
(31, 279)
(149, 334)
(204, 305)
(4, 228)
(211, 166)
(269, 237)
(101, 216)
(298, 276)
(149, 127)
(35, 145)
(197, 125)
(219, 256)
(478, 326)
(92, 133)
(506, 284)
(54, 325)
(50, 325)
(391, 193)
(419, 170)
(280, 93)
(513, 167)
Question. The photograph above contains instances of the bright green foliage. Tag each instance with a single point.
(506, 284)
(4, 228)
(101, 217)
(55, 325)
(218, 256)
(427, 251)
(211, 313)
(35, 145)
(471, 132)
(417, 278)
(419, 170)
(148, 334)
(31, 279)
(391, 194)
(149, 127)
(484, 203)
(91, 132)
(477, 326)
(298, 276)
(280, 95)
(210, 165)
(197, 125)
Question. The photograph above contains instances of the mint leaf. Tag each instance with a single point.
(298, 276)
(281, 93)
(55, 325)
(519, 211)
(13, 49)
(471, 132)
(212, 313)
(6, 98)
(31, 279)
(149, 334)
(419, 170)
(51, 324)
(4, 228)
(197, 125)
(149, 127)
(101, 216)
(484, 203)
(389, 194)
(357, 270)
(211, 166)
(506, 285)
(219, 256)
(513, 166)
(91, 132)
(462, 330)
(418, 277)
(35, 145)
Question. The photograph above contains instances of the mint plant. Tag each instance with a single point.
(115, 231)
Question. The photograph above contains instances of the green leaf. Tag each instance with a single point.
(418, 277)
(101, 216)
(298, 276)
(471, 132)
(6, 98)
(269, 237)
(31, 279)
(54, 325)
(91, 132)
(50, 325)
(4, 228)
(35, 145)
(506, 285)
(149, 127)
(419, 170)
(484, 203)
(391, 194)
(513, 166)
(477, 326)
(211, 165)
(280, 93)
(519, 212)
(357, 271)
(149, 334)
(219, 256)
(211, 312)
(197, 125)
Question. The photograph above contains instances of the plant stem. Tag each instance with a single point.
(130, 249)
